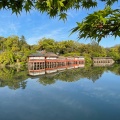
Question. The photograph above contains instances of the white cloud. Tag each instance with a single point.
(57, 34)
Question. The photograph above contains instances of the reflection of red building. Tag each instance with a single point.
(48, 62)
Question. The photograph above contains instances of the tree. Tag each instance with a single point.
(114, 52)
(2, 39)
(96, 50)
(99, 25)
(22, 41)
(69, 48)
(47, 44)
(14, 49)
(12, 43)
(7, 58)
(95, 26)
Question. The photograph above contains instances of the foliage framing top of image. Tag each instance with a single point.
(95, 26)
(51, 7)
(99, 24)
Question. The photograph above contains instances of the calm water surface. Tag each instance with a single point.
(76, 94)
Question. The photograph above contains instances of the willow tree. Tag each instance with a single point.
(95, 26)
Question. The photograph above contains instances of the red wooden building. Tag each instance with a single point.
(48, 62)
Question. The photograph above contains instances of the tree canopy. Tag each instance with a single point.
(95, 26)
(14, 50)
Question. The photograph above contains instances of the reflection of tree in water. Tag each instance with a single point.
(70, 75)
(13, 79)
(90, 73)
(73, 75)
(115, 69)
(47, 79)
(93, 73)
(67, 76)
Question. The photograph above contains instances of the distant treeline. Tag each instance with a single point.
(14, 50)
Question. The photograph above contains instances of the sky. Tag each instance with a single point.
(35, 26)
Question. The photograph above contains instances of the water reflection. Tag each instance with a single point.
(41, 70)
(14, 78)
(81, 94)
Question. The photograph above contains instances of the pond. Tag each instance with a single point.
(75, 94)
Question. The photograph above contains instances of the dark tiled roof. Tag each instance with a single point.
(50, 54)
(37, 55)
(41, 54)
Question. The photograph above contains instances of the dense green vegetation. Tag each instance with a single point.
(14, 50)
(96, 25)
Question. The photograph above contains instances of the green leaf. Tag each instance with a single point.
(63, 16)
